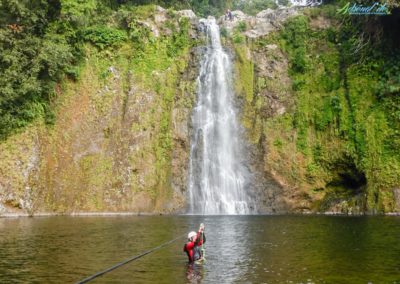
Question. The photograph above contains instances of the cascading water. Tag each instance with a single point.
(218, 176)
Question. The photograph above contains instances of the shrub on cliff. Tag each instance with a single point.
(102, 36)
(31, 60)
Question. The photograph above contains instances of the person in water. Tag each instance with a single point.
(193, 246)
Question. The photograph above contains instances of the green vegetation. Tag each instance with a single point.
(31, 61)
(329, 119)
(98, 60)
(340, 143)
(103, 37)
(41, 42)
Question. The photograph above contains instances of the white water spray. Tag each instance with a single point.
(218, 176)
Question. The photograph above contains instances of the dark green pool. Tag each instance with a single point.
(239, 249)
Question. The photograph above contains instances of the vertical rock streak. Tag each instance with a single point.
(218, 176)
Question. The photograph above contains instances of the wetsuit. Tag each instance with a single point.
(192, 248)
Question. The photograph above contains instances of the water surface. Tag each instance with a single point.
(239, 249)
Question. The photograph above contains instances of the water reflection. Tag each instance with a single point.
(239, 249)
(194, 273)
(323, 249)
(226, 248)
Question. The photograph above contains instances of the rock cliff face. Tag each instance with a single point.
(317, 135)
(263, 89)
(121, 140)
(260, 25)
(299, 112)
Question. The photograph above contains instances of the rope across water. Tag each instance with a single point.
(98, 274)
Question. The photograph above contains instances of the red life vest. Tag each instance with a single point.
(192, 248)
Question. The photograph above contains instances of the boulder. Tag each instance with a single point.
(186, 14)
(260, 25)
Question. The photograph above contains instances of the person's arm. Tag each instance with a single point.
(199, 238)
(200, 235)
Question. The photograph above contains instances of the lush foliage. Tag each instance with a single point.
(108, 69)
(43, 41)
(337, 141)
(31, 61)
(200, 7)
(39, 43)
(102, 36)
(349, 92)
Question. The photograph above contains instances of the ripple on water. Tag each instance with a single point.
(239, 249)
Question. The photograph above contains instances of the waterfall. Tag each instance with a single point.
(218, 174)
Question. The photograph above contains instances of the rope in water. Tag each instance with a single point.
(98, 274)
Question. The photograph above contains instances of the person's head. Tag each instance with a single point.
(192, 236)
